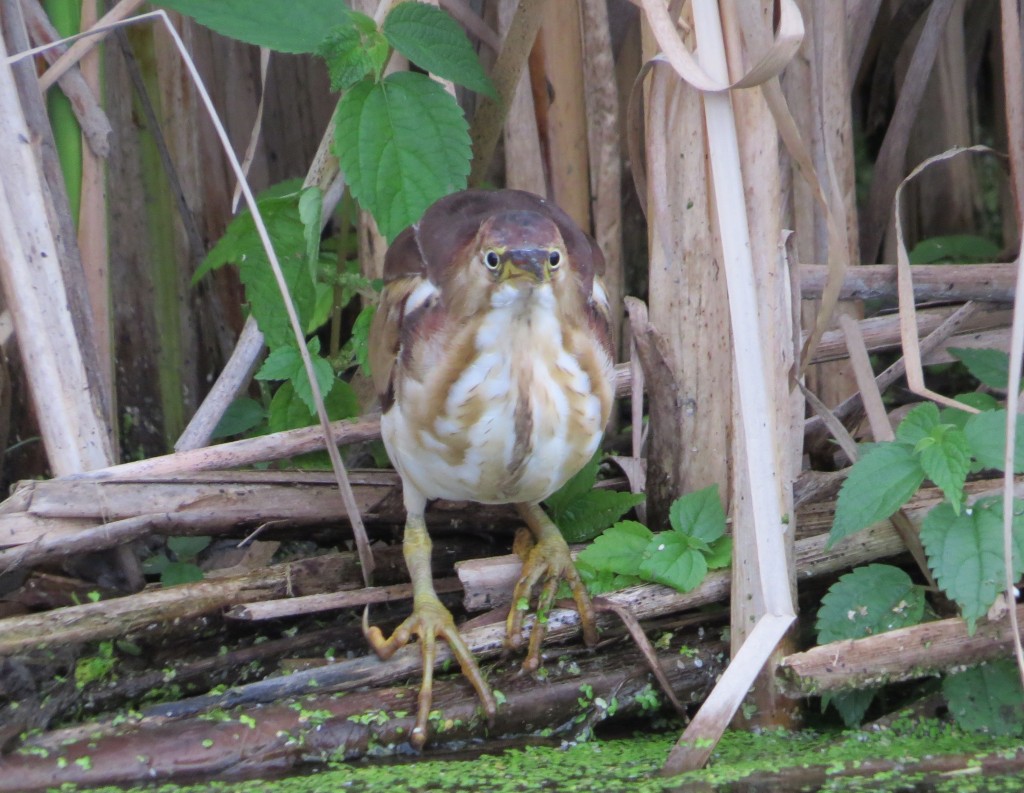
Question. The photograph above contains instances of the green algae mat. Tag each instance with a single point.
(909, 756)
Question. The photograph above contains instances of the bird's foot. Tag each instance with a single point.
(547, 564)
(429, 620)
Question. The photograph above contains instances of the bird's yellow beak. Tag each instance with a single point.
(531, 264)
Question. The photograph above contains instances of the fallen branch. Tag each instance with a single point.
(111, 618)
(993, 283)
(312, 604)
(325, 727)
(903, 654)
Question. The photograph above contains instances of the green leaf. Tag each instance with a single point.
(241, 416)
(669, 560)
(987, 698)
(403, 143)
(289, 412)
(619, 549)
(436, 43)
(991, 367)
(918, 424)
(577, 487)
(876, 487)
(986, 438)
(587, 516)
(699, 514)
(975, 399)
(285, 363)
(360, 339)
(851, 705)
(599, 582)
(965, 552)
(353, 51)
(187, 547)
(720, 554)
(311, 204)
(868, 601)
(282, 25)
(180, 573)
(946, 460)
(954, 249)
(241, 245)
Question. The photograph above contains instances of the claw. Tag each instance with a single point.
(429, 620)
(549, 563)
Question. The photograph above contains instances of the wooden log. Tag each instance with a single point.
(106, 619)
(282, 736)
(883, 332)
(329, 601)
(993, 283)
(903, 654)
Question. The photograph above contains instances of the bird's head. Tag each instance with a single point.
(520, 248)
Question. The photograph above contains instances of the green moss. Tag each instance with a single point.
(632, 764)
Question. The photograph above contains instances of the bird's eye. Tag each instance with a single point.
(491, 260)
(554, 259)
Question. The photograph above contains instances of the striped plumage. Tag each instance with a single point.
(490, 350)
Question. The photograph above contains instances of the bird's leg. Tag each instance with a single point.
(548, 563)
(429, 619)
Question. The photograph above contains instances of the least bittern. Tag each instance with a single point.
(490, 350)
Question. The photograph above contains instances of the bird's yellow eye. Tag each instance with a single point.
(554, 259)
(492, 260)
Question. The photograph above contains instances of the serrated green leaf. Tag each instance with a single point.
(288, 412)
(946, 461)
(354, 50)
(975, 399)
(619, 549)
(360, 338)
(876, 487)
(986, 439)
(323, 305)
(187, 547)
(720, 554)
(285, 363)
(282, 25)
(241, 245)
(991, 367)
(403, 143)
(577, 487)
(965, 552)
(954, 249)
(180, 573)
(699, 514)
(436, 43)
(987, 698)
(851, 705)
(868, 601)
(241, 416)
(669, 560)
(917, 424)
(598, 582)
(311, 204)
(587, 516)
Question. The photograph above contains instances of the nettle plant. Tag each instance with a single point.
(962, 539)
(402, 142)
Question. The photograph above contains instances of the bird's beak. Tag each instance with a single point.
(529, 264)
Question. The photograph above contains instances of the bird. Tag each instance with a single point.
(490, 351)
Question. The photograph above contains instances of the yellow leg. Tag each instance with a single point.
(548, 563)
(429, 619)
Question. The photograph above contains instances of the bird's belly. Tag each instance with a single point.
(501, 432)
